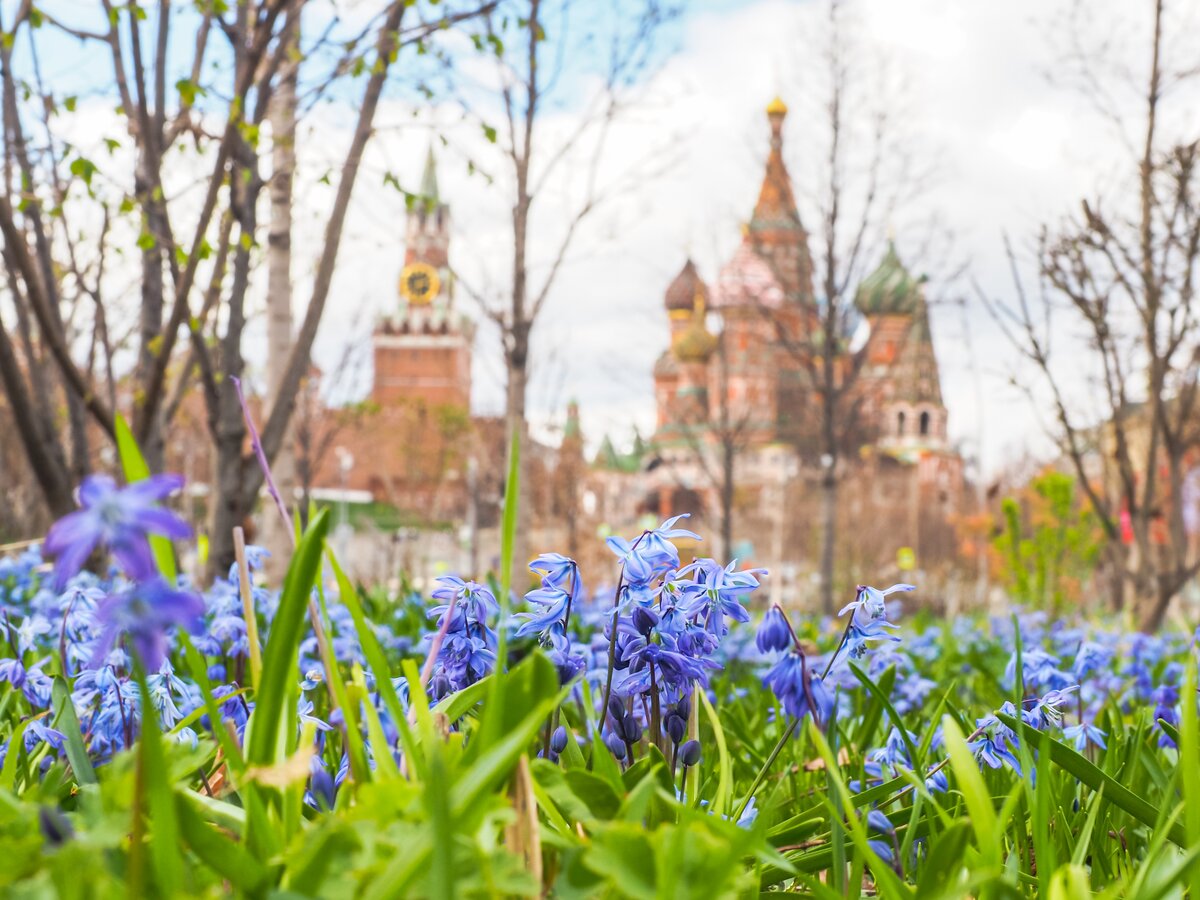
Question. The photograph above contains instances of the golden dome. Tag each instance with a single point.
(777, 107)
(695, 344)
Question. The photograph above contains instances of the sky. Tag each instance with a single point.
(1003, 146)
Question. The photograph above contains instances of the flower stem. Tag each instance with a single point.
(612, 637)
(766, 767)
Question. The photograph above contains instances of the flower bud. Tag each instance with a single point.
(615, 746)
(324, 792)
(558, 740)
(676, 728)
(631, 729)
(773, 633)
(689, 753)
(644, 619)
(616, 707)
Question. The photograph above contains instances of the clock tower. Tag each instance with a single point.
(422, 348)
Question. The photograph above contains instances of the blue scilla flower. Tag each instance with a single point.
(656, 546)
(557, 570)
(144, 612)
(1085, 734)
(1049, 706)
(38, 732)
(118, 518)
(554, 602)
(871, 600)
(722, 592)
(877, 821)
(894, 752)
(1091, 657)
(13, 671)
(652, 553)
(774, 633)
(1039, 669)
(673, 670)
(798, 689)
(474, 601)
(993, 754)
(863, 632)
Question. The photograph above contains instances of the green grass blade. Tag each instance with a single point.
(134, 465)
(377, 661)
(264, 744)
(1066, 758)
(225, 857)
(724, 767)
(159, 797)
(67, 722)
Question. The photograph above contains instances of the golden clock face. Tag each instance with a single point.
(419, 283)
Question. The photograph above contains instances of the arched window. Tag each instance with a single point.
(924, 423)
(900, 423)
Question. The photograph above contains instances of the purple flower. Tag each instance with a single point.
(719, 592)
(119, 518)
(652, 553)
(871, 600)
(475, 602)
(798, 689)
(1085, 734)
(773, 633)
(994, 755)
(144, 612)
(557, 569)
(38, 732)
(554, 603)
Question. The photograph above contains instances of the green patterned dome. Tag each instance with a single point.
(890, 290)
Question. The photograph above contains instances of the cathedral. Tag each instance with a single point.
(738, 418)
(737, 432)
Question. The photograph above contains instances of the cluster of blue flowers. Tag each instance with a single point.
(667, 623)
(801, 691)
(468, 644)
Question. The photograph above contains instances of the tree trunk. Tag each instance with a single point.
(515, 424)
(150, 326)
(279, 287)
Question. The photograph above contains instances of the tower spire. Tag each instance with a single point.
(776, 207)
(429, 182)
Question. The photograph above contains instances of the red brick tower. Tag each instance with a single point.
(423, 351)
(764, 293)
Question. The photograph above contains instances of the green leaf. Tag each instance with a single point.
(67, 722)
(724, 794)
(287, 629)
(373, 652)
(134, 465)
(878, 693)
(225, 857)
(8, 773)
(159, 797)
(975, 793)
(1066, 758)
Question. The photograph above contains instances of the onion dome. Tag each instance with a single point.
(684, 292)
(777, 107)
(890, 290)
(695, 344)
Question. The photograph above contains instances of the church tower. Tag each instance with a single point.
(422, 349)
(900, 380)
